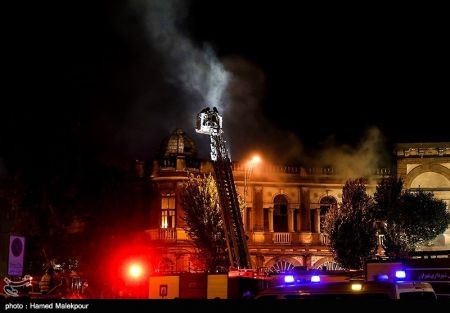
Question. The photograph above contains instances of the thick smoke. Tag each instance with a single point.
(191, 76)
(354, 162)
(247, 127)
(236, 87)
(233, 85)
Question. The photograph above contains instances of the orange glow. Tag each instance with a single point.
(256, 159)
(356, 287)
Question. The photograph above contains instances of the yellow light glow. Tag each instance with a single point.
(135, 270)
(356, 287)
(255, 159)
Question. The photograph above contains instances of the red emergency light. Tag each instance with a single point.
(135, 270)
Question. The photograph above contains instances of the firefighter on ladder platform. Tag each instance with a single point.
(209, 122)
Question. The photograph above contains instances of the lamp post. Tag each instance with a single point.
(249, 166)
(380, 233)
(248, 172)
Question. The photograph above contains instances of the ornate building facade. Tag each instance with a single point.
(285, 204)
(427, 166)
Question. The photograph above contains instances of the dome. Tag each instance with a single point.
(178, 143)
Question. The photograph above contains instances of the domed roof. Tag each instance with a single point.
(178, 143)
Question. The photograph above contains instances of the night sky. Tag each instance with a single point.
(85, 80)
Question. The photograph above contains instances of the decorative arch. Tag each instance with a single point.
(278, 265)
(328, 262)
(427, 167)
(279, 195)
(430, 180)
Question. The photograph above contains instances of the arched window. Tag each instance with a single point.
(280, 214)
(325, 204)
(168, 210)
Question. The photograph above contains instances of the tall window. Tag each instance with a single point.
(280, 218)
(168, 210)
(266, 219)
(325, 204)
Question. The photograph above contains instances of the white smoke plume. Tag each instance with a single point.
(236, 87)
(232, 84)
(196, 69)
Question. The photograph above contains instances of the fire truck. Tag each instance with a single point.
(432, 267)
(241, 280)
(209, 122)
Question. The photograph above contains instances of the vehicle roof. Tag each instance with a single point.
(346, 287)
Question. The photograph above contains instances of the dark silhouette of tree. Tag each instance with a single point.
(387, 196)
(409, 218)
(350, 226)
(204, 222)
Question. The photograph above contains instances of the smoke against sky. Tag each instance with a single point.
(236, 86)
(115, 78)
(196, 69)
(354, 162)
(232, 84)
(247, 128)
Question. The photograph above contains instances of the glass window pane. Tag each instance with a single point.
(171, 203)
(164, 219)
(164, 203)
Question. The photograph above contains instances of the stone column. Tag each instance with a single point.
(271, 220)
(307, 261)
(299, 220)
(244, 217)
(317, 220)
(251, 222)
(290, 220)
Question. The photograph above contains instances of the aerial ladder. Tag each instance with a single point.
(210, 122)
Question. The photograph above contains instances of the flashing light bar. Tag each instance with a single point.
(288, 279)
(400, 274)
(315, 279)
(382, 277)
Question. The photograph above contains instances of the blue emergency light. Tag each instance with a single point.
(315, 279)
(400, 274)
(382, 277)
(289, 279)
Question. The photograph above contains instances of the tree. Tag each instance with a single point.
(387, 196)
(409, 218)
(350, 226)
(204, 222)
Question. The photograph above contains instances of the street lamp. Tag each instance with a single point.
(249, 166)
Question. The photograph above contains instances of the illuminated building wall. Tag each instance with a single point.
(427, 166)
(285, 204)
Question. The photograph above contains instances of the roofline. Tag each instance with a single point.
(423, 144)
